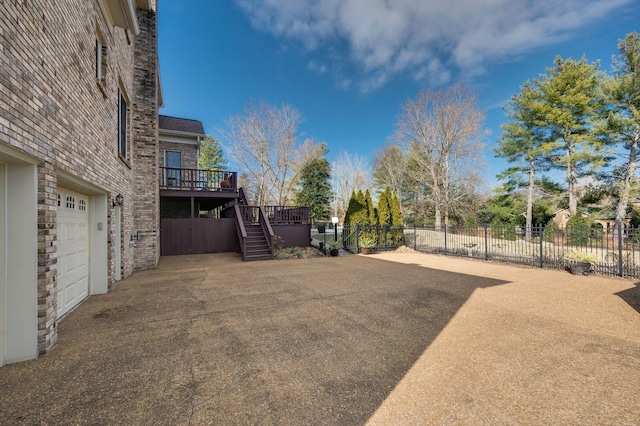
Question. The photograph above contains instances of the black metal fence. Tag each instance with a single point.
(616, 249)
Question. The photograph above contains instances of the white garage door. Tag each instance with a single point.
(73, 249)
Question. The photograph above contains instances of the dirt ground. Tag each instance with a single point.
(391, 338)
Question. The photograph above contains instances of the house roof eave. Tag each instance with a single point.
(122, 13)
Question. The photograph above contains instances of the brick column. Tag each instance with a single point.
(47, 259)
(145, 142)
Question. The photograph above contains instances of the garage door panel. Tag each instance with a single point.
(69, 261)
(81, 232)
(73, 249)
(83, 288)
(82, 259)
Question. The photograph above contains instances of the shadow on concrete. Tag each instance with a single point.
(209, 339)
(631, 296)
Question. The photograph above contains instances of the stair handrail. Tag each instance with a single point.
(242, 231)
(266, 226)
(242, 196)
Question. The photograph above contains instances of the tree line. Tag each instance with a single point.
(573, 119)
(581, 121)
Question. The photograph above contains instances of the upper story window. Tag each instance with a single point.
(123, 126)
(98, 59)
(101, 63)
(173, 162)
(101, 59)
(173, 159)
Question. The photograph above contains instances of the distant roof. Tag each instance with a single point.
(180, 125)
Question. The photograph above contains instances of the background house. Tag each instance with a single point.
(561, 217)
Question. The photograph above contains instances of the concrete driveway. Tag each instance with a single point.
(393, 338)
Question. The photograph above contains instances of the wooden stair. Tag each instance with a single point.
(257, 245)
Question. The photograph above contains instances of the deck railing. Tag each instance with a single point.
(198, 179)
(277, 215)
(287, 215)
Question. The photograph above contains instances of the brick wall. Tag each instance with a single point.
(189, 153)
(54, 109)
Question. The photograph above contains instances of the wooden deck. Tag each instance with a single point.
(197, 215)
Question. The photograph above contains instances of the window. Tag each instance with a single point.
(98, 59)
(173, 162)
(122, 125)
(173, 159)
(101, 63)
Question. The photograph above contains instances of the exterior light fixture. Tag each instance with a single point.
(118, 200)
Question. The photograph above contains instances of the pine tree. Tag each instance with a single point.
(396, 211)
(622, 124)
(356, 211)
(315, 191)
(370, 218)
(360, 213)
(396, 220)
(211, 156)
(569, 103)
(524, 144)
(384, 207)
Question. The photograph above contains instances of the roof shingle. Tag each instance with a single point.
(180, 125)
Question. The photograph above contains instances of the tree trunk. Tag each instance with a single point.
(529, 217)
(571, 180)
(625, 190)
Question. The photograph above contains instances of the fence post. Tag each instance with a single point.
(384, 233)
(486, 243)
(415, 236)
(541, 236)
(445, 238)
(357, 248)
(324, 245)
(619, 249)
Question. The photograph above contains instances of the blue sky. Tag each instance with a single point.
(348, 65)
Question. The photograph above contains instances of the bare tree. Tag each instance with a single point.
(349, 172)
(263, 142)
(389, 169)
(443, 130)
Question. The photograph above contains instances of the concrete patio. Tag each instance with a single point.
(392, 338)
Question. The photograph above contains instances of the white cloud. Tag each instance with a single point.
(426, 40)
(316, 67)
(344, 83)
